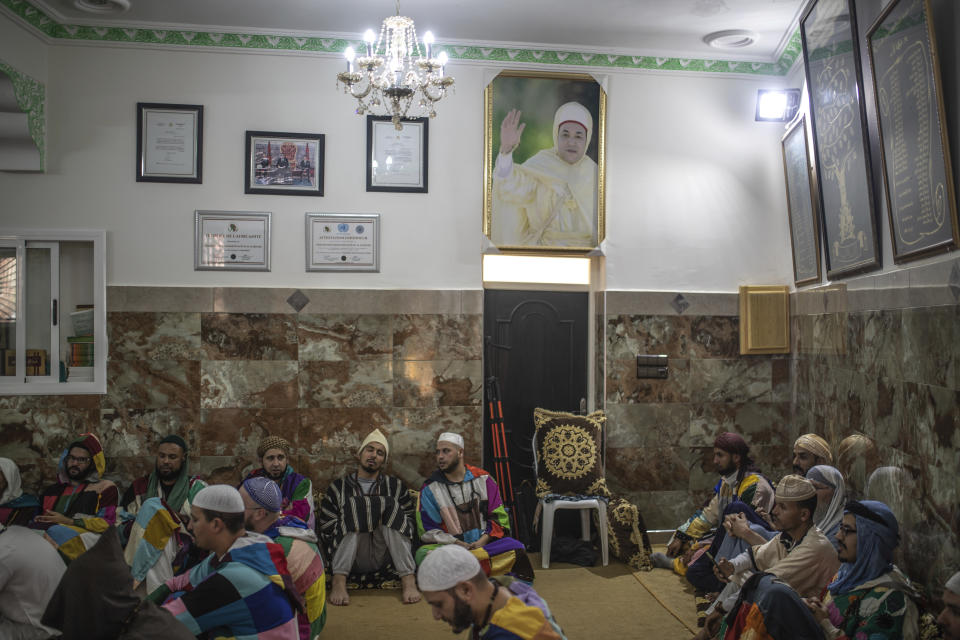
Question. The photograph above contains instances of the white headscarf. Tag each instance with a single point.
(828, 517)
(10, 471)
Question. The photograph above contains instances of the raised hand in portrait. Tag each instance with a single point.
(510, 131)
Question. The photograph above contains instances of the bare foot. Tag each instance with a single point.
(409, 585)
(338, 591)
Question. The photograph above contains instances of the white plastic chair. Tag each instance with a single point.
(549, 509)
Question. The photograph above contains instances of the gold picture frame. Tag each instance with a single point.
(540, 198)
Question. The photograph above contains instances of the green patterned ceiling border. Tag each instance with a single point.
(172, 37)
(31, 98)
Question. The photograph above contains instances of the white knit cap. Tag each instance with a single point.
(219, 497)
(953, 584)
(452, 438)
(445, 567)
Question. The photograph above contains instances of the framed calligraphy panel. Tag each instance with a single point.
(801, 210)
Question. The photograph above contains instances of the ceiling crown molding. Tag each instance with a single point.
(60, 33)
(22, 121)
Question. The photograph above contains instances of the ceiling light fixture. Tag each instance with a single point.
(395, 71)
(101, 7)
(731, 39)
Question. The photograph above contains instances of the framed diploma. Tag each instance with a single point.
(914, 148)
(801, 210)
(169, 142)
(284, 164)
(232, 240)
(828, 33)
(397, 159)
(343, 241)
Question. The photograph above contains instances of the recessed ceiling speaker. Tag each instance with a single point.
(731, 39)
(101, 7)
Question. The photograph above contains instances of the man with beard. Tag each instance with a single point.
(156, 511)
(80, 505)
(262, 501)
(460, 504)
(808, 451)
(366, 522)
(949, 618)
(741, 489)
(800, 555)
(297, 490)
(459, 593)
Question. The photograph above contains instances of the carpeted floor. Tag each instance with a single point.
(589, 602)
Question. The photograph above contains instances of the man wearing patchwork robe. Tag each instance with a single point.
(243, 589)
(273, 453)
(156, 510)
(366, 522)
(460, 504)
(79, 506)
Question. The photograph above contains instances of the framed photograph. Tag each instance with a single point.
(397, 158)
(914, 148)
(169, 142)
(286, 164)
(231, 240)
(544, 161)
(801, 210)
(828, 31)
(343, 241)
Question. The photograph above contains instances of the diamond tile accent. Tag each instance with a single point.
(680, 304)
(298, 300)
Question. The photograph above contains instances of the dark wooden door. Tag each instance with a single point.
(536, 348)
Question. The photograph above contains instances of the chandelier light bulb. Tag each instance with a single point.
(369, 36)
(428, 41)
(350, 55)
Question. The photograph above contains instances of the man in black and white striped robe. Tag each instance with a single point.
(366, 523)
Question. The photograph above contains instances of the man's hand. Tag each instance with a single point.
(483, 541)
(510, 131)
(817, 608)
(461, 543)
(711, 625)
(737, 525)
(723, 570)
(674, 548)
(52, 517)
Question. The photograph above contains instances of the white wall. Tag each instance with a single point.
(695, 197)
(22, 49)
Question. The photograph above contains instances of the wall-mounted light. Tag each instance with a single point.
(777, 105)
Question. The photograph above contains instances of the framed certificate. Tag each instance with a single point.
(232, 240)
(343, 242)
(169, 142)
(397, 158)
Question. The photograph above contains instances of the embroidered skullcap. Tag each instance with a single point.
(272, 442)
(953, 584)
(816, 445)
(219, 497)
(731, 443)
(794, 488)
(445, 567)
(375, 436)
(452, 438)
(175, 439)
(264, 492)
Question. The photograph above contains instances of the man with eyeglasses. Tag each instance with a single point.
(80, 505)
(261, 513)
(870, 597)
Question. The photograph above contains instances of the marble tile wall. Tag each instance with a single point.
(223, 367)
(660, 432)
(885, 361)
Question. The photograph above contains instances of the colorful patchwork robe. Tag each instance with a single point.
(881, 609)
(93, 508)
(297, 493)
(305, 564)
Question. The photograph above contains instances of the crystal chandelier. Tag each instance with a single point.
(396, 71)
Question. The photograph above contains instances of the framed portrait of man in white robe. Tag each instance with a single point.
(544, 164)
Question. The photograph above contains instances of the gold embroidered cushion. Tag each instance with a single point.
(569, 453)
(628, 534)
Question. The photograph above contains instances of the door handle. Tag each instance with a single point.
(55, 314)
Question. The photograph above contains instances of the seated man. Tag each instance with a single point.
(460, 504)
(30, 570)
(459, 593)
(95, 600)
(297, 490)
(810, 450)
(366, 521)
(262, 502)
(156, 509)
(243, 588)
(16, 507)
(769, 609)
(949, 618)
(741, 488)
(870, 597)
(800, 555)
(857, 458)
(79, 506)
(831, 496)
